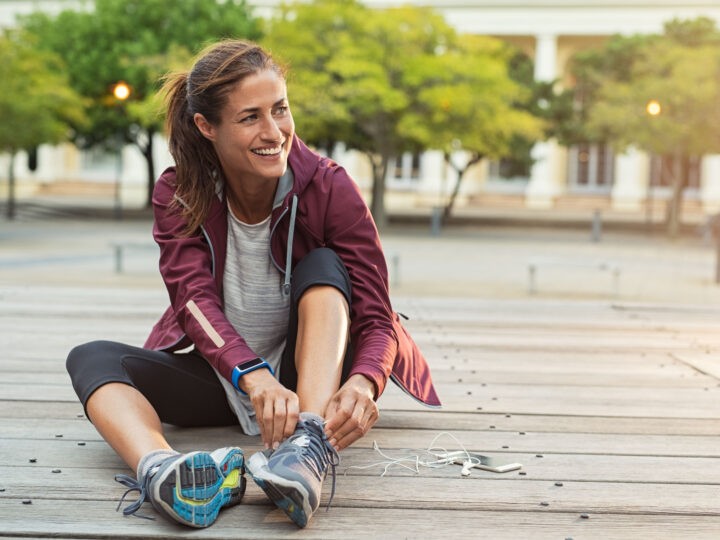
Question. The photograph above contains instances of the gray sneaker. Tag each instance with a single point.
(190, 488)
(292, 475)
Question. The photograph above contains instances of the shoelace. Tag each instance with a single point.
(323, 454)
(133, 485)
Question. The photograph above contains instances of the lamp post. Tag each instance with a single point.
(653, 109)
(121, 92)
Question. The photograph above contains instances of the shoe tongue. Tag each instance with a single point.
(308, 416)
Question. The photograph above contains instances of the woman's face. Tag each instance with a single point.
(255, 132)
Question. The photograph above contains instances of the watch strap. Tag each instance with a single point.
(248, 367)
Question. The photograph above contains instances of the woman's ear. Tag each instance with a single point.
(205, 127)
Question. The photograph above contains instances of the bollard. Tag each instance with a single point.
(395, 270)
(436, 220)
(597, 226)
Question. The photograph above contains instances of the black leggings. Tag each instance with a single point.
(182, 387)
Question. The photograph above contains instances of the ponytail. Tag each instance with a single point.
(196, 163)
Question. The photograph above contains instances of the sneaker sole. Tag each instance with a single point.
(194, 489)
(291, 497)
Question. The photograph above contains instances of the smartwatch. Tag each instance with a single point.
(246, 367)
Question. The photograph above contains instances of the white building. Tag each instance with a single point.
(550, 31)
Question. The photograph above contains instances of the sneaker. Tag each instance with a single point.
(190, 488)
(292, 475)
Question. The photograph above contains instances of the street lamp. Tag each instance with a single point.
(653, 107)
(121, 91)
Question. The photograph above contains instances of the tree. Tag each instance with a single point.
(133, 41)
(36, 102)
(386, 81)
(467, 101)
(679, 71)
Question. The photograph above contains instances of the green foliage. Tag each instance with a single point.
(132, 41)
(465, 98)
(681, 70)
(385, 81)
(36, 102)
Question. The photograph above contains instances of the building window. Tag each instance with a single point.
(591, 167)
(662, 171)
(405, 170)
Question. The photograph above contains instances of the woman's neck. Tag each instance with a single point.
(251, 204)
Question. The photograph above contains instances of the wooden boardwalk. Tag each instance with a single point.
(612, 409)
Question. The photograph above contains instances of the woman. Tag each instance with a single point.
(278, 283)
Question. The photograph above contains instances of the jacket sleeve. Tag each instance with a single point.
(351, 233)
(187, 266)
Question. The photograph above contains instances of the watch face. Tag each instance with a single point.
(251, 363)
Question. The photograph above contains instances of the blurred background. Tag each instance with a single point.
(592, 117)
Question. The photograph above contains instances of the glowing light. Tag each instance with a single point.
(653, 107)
(121, 91)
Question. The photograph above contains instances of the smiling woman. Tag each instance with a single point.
(252, 140)
(274, 267)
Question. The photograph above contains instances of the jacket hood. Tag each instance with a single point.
(303, 162)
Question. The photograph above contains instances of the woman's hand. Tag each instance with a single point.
(351, 412)
(276, 407)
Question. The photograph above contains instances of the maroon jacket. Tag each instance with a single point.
(328, 211)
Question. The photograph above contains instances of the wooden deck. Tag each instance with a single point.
(612, 409)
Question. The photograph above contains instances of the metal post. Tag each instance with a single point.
(436, 220)
(597, 226)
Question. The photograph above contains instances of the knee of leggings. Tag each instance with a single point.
(80, 355)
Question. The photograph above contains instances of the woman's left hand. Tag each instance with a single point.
(351, 412)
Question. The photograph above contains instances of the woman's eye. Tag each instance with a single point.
(282, 110)
(249, 118)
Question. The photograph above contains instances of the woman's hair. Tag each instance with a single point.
(204, 89)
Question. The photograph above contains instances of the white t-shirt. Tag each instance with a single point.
(254, 304)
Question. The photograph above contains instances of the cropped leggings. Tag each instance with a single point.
(182, 387)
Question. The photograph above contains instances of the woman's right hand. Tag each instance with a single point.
(276, 407)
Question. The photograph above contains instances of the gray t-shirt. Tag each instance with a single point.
(254, 304)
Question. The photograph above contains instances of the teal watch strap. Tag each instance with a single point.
(243, 369)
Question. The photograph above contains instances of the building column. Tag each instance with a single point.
(632, 179)
(710, 183)
(544, 183)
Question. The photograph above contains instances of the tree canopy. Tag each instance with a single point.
(37, 104)
(134, 41)
(386, 81)
(678, 72)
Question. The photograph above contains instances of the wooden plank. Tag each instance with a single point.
(561, 400)
(703, 362)
(482, 438)
(513, 399)
(477, 492)
(34, 409)
(65, 453)
(449, 421)
(97, 519)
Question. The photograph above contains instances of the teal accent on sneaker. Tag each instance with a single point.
(190, 488)
(292, 475)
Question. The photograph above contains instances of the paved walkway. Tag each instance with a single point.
(472, 261)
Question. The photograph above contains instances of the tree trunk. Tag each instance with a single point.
(150, 169)
(460, 175)
(674, 208)
(10, 213)
(377, 200)
(147, 152)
